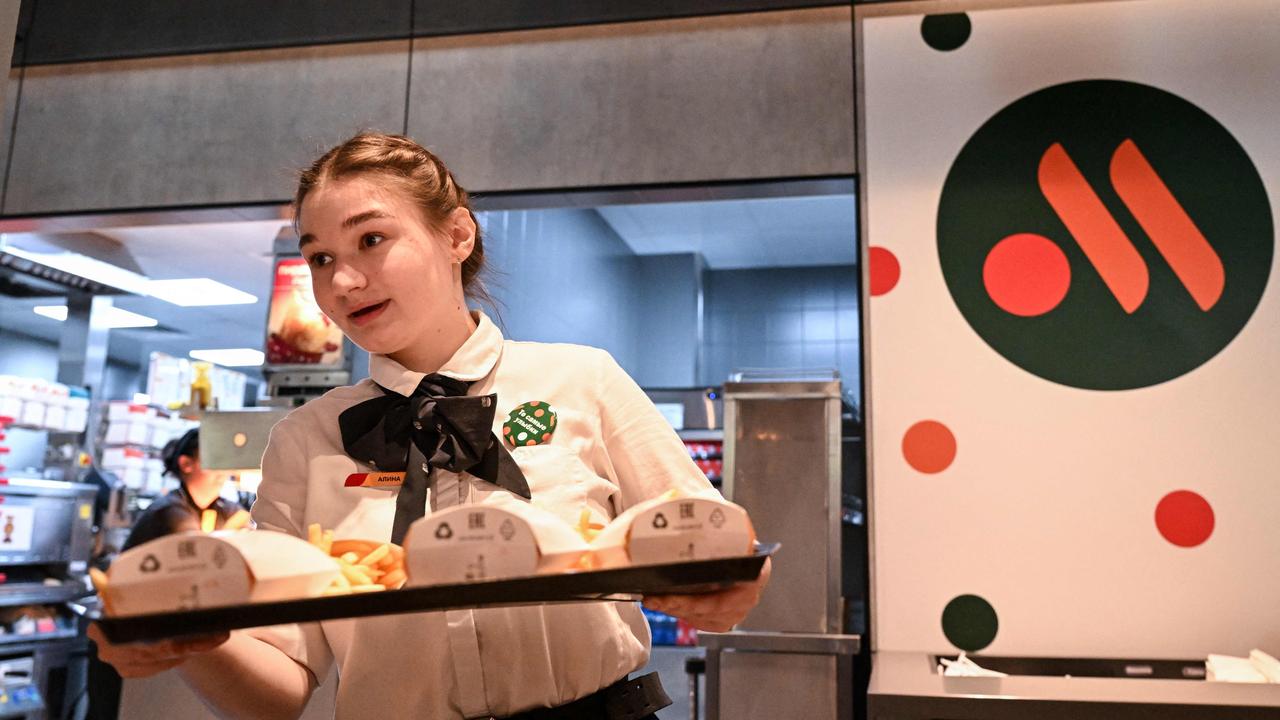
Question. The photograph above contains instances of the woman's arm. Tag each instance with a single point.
(248, 678)
(237, 676)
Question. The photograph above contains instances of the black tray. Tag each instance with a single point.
(669, 578)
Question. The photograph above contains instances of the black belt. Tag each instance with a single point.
(627, 699)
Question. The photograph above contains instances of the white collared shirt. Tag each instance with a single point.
(611, 449)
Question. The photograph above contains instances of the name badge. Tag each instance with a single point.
(375, 479)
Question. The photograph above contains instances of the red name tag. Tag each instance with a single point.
(375, 479)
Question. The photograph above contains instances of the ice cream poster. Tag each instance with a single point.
(297, 332)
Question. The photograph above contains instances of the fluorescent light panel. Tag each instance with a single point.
(198, 292)
(231, 357)
(116, 318)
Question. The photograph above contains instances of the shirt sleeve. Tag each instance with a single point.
(281, 506)
(646, 455)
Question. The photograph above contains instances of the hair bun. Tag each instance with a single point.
(187, 444)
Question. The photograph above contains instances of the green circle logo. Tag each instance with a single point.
(1105, 235)
(532, 423)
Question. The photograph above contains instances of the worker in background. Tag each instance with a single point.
(197, 502)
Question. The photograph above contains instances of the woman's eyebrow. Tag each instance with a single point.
(350, 222)
(365, 216)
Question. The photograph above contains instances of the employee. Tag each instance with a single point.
(395, 251)
(197, 502)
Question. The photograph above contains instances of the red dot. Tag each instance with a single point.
(929, 446)
(1184, 518)
(1026, 274)
(884, 270)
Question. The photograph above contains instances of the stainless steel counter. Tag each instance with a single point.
(906, 686)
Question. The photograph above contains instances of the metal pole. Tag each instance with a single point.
(82, 353)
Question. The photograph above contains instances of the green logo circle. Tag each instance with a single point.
(1105, 235)
(532, 423)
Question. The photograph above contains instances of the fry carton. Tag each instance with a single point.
(188, 571)
(674, 529)
(470, 543)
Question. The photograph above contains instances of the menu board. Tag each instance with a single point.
(298, 333)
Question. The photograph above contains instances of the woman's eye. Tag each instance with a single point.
(371, 239)
(319, 260)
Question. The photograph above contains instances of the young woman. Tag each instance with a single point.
(394, 252)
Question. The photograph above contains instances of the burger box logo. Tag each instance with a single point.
(189, 571)
(470, 543)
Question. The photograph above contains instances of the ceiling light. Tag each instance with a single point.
(82, 266)
(197, 292)
(231, 357)
(116, 318)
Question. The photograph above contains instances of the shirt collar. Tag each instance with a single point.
(473, 361)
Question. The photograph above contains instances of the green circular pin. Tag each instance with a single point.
(532, 423)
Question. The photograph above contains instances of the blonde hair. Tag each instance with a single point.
(416, 171)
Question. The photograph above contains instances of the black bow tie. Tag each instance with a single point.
(439, 425)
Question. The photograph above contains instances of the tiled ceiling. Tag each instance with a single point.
(738, 234)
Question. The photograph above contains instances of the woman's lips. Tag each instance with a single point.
(366, 314)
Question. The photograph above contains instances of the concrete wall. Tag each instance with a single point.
(723, 97)
(196, 129)
(740, 96)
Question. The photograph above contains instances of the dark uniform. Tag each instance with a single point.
(173, 513)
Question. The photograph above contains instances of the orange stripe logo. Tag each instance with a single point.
(1110, 252)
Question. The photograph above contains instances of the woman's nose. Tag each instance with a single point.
(347, 278)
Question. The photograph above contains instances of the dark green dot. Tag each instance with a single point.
(970, 623)
(946, 31)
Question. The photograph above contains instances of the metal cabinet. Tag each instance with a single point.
(783, 463)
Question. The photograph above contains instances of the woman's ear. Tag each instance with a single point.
(462, 234)
(187, 465)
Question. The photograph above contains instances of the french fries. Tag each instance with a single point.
(238, 521)
(101, 584)
(366, 566)
(587, 529)
(208, 520)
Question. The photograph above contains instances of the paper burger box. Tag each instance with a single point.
(666, 530)
(195, 570)
(469, 543)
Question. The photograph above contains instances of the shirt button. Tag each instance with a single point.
(417, 425)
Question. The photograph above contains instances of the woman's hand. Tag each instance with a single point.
(714, 612)
(139, 660)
